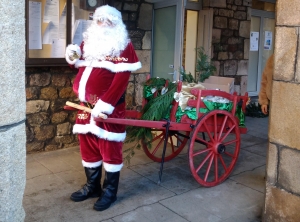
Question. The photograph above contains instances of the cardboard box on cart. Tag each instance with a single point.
(222, 83)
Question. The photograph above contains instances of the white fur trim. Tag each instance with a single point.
(102, 107)
(112, 167)
(91, 164)
(119, 67)
(82, 84)
(69, 49)
(101, 133)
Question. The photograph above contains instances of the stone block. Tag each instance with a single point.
(43, 133)
(288, 170)
(285, 53)
(220, 22)
(145, 58)
(218, 3)
(284, 114)
(225, 13)
(59, 117)
(145, 21)
(216, 35)
(230, 68)
(130, 7)
(246, 48)
(222, 56)
(42, 79)
(63, 129)
(272, 163)
(244, 30)
(49, 93)
(281, 205)
(238, 2)
(32, 93)
(247, 3)
(288, 14)
(34, 147)
(244, 80)
(240, 15)
(147, 40)
(233, 24)
(242, 68)
(59, 80)
(38, 119)
(35, 106)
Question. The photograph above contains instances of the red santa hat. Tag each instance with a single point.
(107, 12)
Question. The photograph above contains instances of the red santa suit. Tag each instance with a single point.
(102, 84)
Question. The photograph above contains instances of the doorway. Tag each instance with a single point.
(171, 41)
(261, 47)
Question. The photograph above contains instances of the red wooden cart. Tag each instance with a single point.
(214, 138)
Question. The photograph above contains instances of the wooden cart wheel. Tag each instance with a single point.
(174, 146)
(213, 158)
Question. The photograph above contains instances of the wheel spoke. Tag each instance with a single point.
(223, 163)
(222, 128)
(198, 139)
(204, 161)
(215, 126)
(178, 138)
(158, 145)
(208, 131)
(158, 136)
(229, 154)
(202, 151)
(227, 133)
(172, 145)
(230, 142)
(208, 168)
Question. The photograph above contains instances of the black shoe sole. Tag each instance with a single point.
(104, 207)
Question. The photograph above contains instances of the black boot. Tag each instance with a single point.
(92, 188)
(110, 189)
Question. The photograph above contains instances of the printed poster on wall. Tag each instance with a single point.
(254, 37)
(268, 40)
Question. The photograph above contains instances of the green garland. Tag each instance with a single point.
(156, 109)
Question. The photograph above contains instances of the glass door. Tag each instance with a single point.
(261, 47)
(167, 39)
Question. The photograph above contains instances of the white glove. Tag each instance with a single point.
(73, 53)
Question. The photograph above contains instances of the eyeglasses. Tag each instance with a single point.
(105, 21)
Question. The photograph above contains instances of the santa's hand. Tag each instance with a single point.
(264, 109)
(73, 53)
(97, 114)
(102, 116)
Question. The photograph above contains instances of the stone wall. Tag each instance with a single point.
(230, 40)
(283, 161)
(48, 125)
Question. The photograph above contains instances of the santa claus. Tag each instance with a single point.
(104, 60)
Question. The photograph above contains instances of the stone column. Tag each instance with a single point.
(282, 201)
(12, 116)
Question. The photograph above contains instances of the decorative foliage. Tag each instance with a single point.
(156, 109)
(204, 66)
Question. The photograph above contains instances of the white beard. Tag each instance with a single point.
(103, 41)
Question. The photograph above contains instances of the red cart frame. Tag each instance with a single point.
(214, 144)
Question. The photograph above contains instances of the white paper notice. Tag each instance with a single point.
(51, 11)
(254, 37)
(35, 25)
(80, 27)
(62, 23)
(268, 40)
(58, 48)
(47, 37)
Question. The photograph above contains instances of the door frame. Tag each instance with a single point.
(179, 31)
(262, 14)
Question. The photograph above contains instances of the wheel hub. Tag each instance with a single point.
(221, 148)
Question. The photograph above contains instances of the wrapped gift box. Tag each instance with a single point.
(221, 83)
